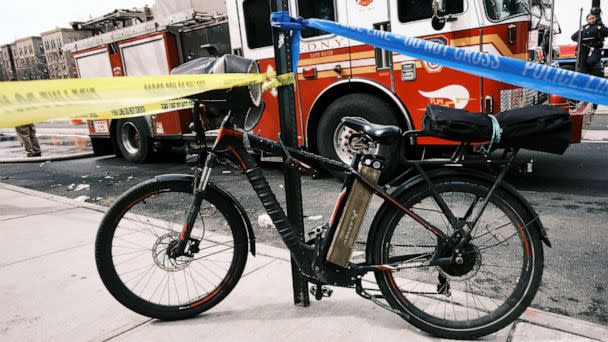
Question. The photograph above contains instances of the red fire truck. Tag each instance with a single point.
(339, 77)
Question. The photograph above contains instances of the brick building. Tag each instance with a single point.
(28, 55)
(59, 62)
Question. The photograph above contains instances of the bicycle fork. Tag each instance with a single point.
(199, 188)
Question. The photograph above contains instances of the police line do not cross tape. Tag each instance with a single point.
(27, 102)
(531, 75)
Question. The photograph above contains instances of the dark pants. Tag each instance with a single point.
(27, 136)
(593, 70)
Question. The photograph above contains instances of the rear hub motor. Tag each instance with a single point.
(471, 262)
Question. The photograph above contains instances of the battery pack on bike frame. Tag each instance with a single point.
(342, 245)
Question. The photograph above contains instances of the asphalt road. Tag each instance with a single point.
(570, 192)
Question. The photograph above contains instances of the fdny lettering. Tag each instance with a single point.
(441, 102)
(324, 45)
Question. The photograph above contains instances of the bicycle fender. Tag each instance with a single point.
(463, 173)
(223, 193)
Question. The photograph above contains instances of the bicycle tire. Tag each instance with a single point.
(410, 302)
(124, 217)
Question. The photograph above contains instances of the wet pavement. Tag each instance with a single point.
(51, 145)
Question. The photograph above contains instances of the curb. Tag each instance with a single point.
(49, 158)
(533, 316)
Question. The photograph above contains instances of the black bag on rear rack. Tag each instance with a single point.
(539, 128)
(456, 124)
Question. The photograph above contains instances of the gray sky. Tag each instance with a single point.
(22, 18)
(568, 13)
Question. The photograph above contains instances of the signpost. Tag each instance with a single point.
(289, 135)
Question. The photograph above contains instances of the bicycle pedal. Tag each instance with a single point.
(325, 291)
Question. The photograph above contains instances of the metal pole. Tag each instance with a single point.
(289, 135)
(578, 44)
(550, 57)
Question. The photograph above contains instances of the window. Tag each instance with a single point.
(257, 23)
(498, 10)
(320, 9)
(384, 58)
(411, 10)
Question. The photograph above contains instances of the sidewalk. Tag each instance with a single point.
(50, 290)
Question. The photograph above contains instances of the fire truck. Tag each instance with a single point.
(337, 77)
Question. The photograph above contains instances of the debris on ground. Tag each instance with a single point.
(264, 221)
(129, 178)
(315, 218)
(71, 187)
(81, 187)
(46, 162)
(81, 198)
(56, 185)
(227, 172)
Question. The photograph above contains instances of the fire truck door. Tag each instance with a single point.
(420, 83)
(377, 63)
(325, 57)
(95, 63)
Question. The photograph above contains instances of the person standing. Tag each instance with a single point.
(27, 137)
(589, 52)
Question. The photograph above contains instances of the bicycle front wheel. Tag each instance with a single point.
(134, 238)
(497, 280)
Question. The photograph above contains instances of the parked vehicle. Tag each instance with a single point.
(338, 77)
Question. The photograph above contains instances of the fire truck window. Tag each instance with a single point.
(412, 10)
(321, 9)
(498, 9)
(257, 23)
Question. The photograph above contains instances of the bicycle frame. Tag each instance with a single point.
(233, 144)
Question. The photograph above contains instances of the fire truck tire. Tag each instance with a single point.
(134, 139)
(332, 136)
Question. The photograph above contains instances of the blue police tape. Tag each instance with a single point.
(283, 21)
(531, 75)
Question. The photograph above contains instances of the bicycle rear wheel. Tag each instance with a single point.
(500, 273)
(144, 223)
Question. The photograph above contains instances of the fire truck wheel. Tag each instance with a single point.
(333, 136)
(134, 140)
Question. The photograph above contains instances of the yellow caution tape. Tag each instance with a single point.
(23, 103)
(141, 110)
(278, 81)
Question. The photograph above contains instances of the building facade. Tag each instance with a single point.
(29, 59)
(59, 62)
(7, 68)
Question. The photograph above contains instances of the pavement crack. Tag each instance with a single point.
(127, 329)
(511, 334)
(46, 254)
(257, 269)
(42, 213)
